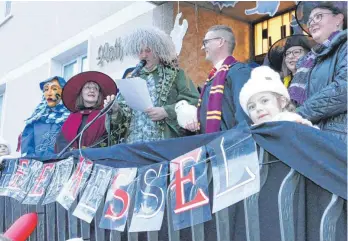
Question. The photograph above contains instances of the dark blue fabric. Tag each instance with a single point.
(315, 154)
(128, 71)
(39, 138)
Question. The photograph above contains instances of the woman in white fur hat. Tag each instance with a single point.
(5, 149)
(265, 98)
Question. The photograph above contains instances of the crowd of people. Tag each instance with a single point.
(306, 82)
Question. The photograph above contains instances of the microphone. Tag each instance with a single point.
(137, 69)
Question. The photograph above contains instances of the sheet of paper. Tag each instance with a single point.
(135, 92)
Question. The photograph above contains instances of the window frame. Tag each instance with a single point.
(79, 62)
(8, 5)
(266, 20)
(2, 95)
(5, 16)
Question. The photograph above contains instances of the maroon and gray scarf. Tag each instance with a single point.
(215, 95)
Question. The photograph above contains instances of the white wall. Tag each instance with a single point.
(37, 26)
(43, 58)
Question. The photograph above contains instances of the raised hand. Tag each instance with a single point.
(110, 98)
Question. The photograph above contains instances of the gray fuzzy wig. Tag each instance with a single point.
(158, 41)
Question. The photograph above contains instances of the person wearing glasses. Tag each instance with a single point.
(218, 107)
(285, 53)
(83, 95)
(319, 87)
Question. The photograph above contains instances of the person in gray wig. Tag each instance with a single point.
(167, 85)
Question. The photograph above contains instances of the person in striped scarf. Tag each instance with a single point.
(218, 106)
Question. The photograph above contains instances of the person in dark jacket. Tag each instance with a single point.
(39, 135)
(319, 87)
(83, 95)
(218, 106)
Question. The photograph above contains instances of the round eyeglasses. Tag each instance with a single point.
(91, 88)
(295, 53)
(205, 41)
(316, 19)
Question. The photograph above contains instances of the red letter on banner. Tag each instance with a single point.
(180, 180)
(22, 165)
(43, 175)
(121, 195)
(77, 178)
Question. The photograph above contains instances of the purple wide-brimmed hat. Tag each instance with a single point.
(304, 9)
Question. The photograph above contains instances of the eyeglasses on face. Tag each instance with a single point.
(295, 53)
(316, 19)
(205, 41)
(91, 88)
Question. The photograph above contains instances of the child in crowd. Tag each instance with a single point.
(265, 98)
(4, 149)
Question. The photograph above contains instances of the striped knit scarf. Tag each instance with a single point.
(215, 95)
(304, 66)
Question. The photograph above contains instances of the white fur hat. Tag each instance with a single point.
(263, 79)
(4, 142)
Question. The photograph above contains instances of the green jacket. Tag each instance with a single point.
(171, 86)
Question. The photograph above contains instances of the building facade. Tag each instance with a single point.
(43, 39)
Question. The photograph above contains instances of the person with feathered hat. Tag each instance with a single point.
(167, 85)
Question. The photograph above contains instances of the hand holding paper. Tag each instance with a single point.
(135, 92)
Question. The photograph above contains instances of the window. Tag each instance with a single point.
(7, 8)
(1, 101)
(74, 67)
(270, 31)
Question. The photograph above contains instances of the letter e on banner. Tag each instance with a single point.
(189, 189)
(38, 190)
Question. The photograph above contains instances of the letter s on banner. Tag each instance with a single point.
(116, 208)
(150, 198)
(123, 196)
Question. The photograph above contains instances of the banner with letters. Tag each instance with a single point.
(140, 196)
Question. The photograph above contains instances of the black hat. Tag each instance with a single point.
(278, 49)
(304, 9)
